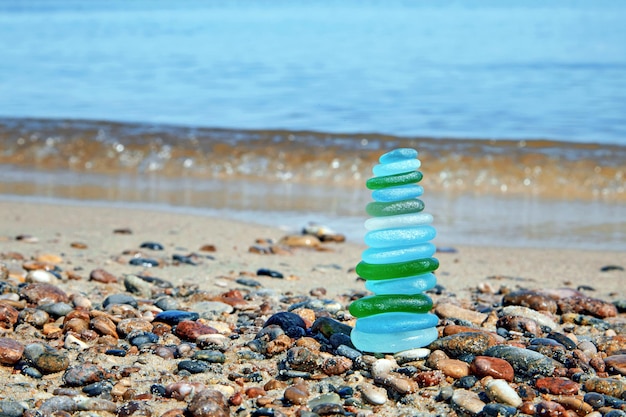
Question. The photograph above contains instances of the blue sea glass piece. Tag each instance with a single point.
(409, 285)
(398, 155)
(393, 342)
(398, 167)
(402, 192)
(400, 220)
(401, 236)
(398, 254)
(396, 322)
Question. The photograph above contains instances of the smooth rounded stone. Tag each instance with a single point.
(136, 285)
(398, 254)
(525, 362)
(562, 339)
(615, 413)
(97, 388)
(12, 408)
(101, 275)
(498, 410)
(208, 403)
(396, 166)
(143, 338)
(549, 409)
(291, 323)
(151, 246)
(71, 342)
(616, 363)
(398, 221)
(411, 355)
(467, 402)
(339, 339)
(611, 345)
(609, 386)
(393, 342)
(11, 351)
(500, 391)
(540, 318)
(58, 403)
(127, 326)
(174, 317)
(453, 368)
(211, 356)
(319, 304)
(588, 306)
(191, 330)
(531, 299)
(33, 316)
(46, 358)
(348, 352)
(296, 395)
(269, 273)
(452, 311)
(396, 322)
(116, 352)
(557, 386)
(457, 344)
(372, 394)
(466, 382)
(246, 282)
(144, 262)
(386, 181)
(83, 374)
(57, 309)
(403, 192)
(115, 299)
(497, 368)
(95, 404)
(210, 309)
(41, 293)
(389, 303)
(8, 316)
(193, 366)
(41, 275)
(409, 285)
(594, 399)
(31, 371)
(167, 303)
(519, 324)
(401, 236)
(300, 358)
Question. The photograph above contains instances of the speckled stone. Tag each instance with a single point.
(83, 374)
(557, 386)
(531, 299)
(208, 403)
(586, 305)
(462, 343)
(8, 316)
(10, 351)
(616, 363)
(191, 330)
(525, 362)
(608, 386)
(40, 293)
(46, 358)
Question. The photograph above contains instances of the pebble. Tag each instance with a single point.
(45, 358)
(500, 391)
(136, 285)
(10, 351)
(497, 368)
(114, 299)
(296, 394)
(453, 368)
(461, 343)
(531, 299)
(210, 309)
(269, 273)
(525, 362)
(103, 276)
(144, 262)
(291, 323)
(57, 309)
(41, 275)
(193, 366)
(610, 386)
(372, 394)
(588, 306)
(8, 316)
(498, 410)
(10, 408)
(550, 409)
(557, 386)
(411, 355)
(540, 318)
(151, 246)
(210, 356)
(208, 403)
(174, 317)
(41, 293)
(467, 402)
(616, 363)
(447, 310)
(191, 330)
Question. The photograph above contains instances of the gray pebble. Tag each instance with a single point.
(525, 362)
(57, 309)
(58, 403)
(167, 303)
(136, 285)
(12, 409)
(46, 358)
(120, 299)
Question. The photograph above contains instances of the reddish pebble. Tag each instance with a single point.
(557, 386)
(10, 351)
(429, 378)
(40, 293)
(8, 316)
(296, 394)
(191, 330)
(497, 368)
(100, 275)
(550, 409)
(254, 392)
(616, 363)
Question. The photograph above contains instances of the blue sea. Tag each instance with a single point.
(521, 69)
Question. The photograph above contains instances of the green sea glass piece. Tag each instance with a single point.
(376, 304)
(396, 270)
(378, 209)
(377, 183)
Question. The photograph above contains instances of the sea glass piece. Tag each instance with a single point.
(393, 342)
(398, 254)
(403, 192)
(396, 322)
(396, 207)
(398, 154)
(402, 220)
(376, 183)
(377, 304)
(396, 270)
(408, 285)
(400, 236)
(398, 167)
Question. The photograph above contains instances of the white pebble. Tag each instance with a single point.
(382, 367)
(500, 391)
(41, 276)
(373, 395)
(411, 355)
(529, 313)
(467, 402)
(74, 343)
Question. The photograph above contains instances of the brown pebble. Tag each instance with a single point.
(497, 368)
(588, 306)
(10, 351)
(123, 231)
(254, 392)
(336, 365)
(549, 409)
(429, 378)
(297, 394)
(454, 368)
(8, 316)
(611, 345)
(176, 412)
(190, 330)
(208, 248)
(448, 310)
(41, 293)
(557, 386)
(519, 324)
(104, 326)
(616, 363)
(79, 245)
(49, 258)
(280, 344)
(208, 403)
(609, 386)
(530, 299)
(273, 384)
(181, 390)
(126, 326)
(463, 343)
(100, 275)
(37, 265)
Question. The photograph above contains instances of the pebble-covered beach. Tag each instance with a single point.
(132, 313)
